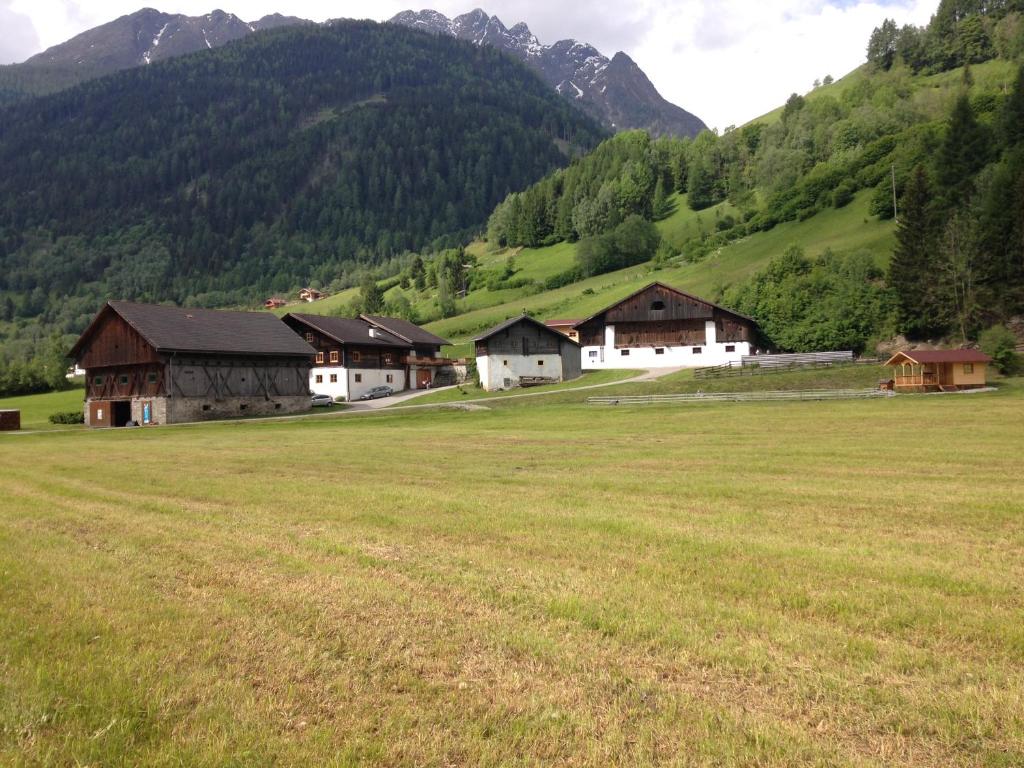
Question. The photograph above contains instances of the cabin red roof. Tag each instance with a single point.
(923, 356)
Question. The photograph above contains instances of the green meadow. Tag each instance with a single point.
(790, 584)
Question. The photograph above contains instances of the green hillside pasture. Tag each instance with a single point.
(846, 229)
(798, 584)
(36, 409)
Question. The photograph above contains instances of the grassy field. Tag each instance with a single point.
(752, 584)
(36, 409)
(469, 392)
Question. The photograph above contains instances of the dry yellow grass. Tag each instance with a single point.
(762, 584)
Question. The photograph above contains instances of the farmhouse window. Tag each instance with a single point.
(359, 378)
(657, 306)
(319, 379)
(593, 354)
(206, 406)
(697, 350)
(151, 378)
(334, 356)
(730, 347)
(357, 357)
(659, 350)
(624, 353)
(968, 367)
(319, 358)
(504, 362)
(123, 379)
(389, 378)
(540, 362)
(309, 338)
(334, 378)
(97, 380)
(388, 358)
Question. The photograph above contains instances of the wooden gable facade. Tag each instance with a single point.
(158, 364)
(659, 315)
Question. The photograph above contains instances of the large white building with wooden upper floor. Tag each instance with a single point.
(661, 327)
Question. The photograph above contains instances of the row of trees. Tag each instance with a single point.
(961, 32)
(959, 262)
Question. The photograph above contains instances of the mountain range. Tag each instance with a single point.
(614, 91)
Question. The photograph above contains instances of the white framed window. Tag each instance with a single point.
(319, 358)
(593, 354)
(319, 379)
(334, 378)
(730, 347)
(334, 355)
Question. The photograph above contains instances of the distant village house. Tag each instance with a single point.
(274, 302)
(523, 351)
(566, 327)
(152, 364)
(311, 294)
(662, 327)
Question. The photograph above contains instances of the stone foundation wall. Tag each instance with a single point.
(179, 410)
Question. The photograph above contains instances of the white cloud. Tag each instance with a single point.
(727, 61)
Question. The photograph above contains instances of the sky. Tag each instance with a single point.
(727, 61)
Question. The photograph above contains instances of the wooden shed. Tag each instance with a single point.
(154, 364)
(523, 351)
(939, 369)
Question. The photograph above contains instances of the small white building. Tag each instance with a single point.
(354, 355)
(523, 351)
(662, 327)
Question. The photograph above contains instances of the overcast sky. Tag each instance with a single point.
(726, 61)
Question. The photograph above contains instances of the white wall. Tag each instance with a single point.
(495, 369)
(339, 389)
(373, 377)
(712, 353)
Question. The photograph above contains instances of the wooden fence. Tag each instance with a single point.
(757, 365)
(742, 397)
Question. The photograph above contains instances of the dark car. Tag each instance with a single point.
(322, 400)
(382, 391)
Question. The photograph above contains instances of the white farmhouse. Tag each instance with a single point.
(353, 355)
(523, 351)
(661, 327)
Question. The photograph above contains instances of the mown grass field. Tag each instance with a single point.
(37, 409)
(728, 584)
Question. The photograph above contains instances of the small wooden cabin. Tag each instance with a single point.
(943, 370)
(523, 351)
(153, 364)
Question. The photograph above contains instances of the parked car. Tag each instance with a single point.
(382, 391)
(322, 400)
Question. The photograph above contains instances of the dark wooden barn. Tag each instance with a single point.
(152, 364)
(661, 326)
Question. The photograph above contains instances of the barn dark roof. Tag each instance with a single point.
(943, 356)
(213, 331)
(659, 284)
(521, 319)
(403, 329)
(346, 330)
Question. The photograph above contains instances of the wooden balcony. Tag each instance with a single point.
(430, 362)
(917, 380)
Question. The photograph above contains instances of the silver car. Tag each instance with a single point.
(322, 401)
(382, 391)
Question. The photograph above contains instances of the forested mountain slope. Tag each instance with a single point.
(133, 40)
(289, 156)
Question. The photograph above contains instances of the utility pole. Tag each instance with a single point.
(895, 213)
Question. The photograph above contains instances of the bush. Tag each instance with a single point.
(998, 343)
(843, 194)
(67, 417)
